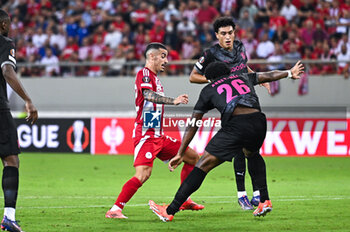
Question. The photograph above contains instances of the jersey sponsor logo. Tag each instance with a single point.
(239, 67)
(146, 79)
(152, 119)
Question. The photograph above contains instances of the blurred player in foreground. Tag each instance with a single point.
(243, 128)
(9, 148)
(149, 139)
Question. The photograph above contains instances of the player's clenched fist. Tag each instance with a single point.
(181, 99)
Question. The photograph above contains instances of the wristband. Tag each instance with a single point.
(289, 74)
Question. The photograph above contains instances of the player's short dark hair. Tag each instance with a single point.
(216, 70)
(224, 22)
(154, 46)
(3, 15)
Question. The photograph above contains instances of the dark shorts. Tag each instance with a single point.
(8, 135)
(242, 131)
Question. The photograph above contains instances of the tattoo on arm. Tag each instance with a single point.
(152, 96)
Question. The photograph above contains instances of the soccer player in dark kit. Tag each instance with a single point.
(9, 149)
(243, 128)
(232, 52)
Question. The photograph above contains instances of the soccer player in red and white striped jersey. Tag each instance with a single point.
(149, 139)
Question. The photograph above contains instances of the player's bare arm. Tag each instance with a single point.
(11, 78)
(196, 77)
(152, 96)
(293, 73)
(186, 140)
(266, 84)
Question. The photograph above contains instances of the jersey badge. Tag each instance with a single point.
(201, 60)
(12, 52)
(146, 79)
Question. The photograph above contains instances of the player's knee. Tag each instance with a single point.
(249, 154)
(11, 160)
(143, 174)
(191, 156)
(207, 162)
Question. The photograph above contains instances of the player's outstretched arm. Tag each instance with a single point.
(196, 77)
(293, 73)
(152, 96)
(186, 140)
(11, 78)
(266, 84)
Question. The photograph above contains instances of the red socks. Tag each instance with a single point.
(128, 190)
(186, 170)
(132, 185)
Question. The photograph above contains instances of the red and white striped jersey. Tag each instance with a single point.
(146, 79)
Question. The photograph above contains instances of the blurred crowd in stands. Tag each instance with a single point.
(117, 32)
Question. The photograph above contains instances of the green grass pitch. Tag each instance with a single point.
(69, 192)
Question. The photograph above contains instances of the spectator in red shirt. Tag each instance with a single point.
(318, 48)
(91, 3)
(316, 18)
(277, 20)
(140, 41)
(33, 8)
(140, 14)
(206, 13)
(157, 33)
(173, 55)
(71, 47)
(345, 6)
(118, 22)
(292, 39)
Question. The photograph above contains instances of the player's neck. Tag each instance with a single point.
(151, 67)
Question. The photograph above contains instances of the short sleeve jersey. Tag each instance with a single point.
(7, 57)
(146, 79)
(226, 93)
(235, 59)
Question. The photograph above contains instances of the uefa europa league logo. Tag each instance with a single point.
(77, 130)
(78, 127)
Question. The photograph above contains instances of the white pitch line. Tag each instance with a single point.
(317, 198)
(170, 197)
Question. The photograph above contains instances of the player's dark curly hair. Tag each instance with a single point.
(223, 22)
(3, 15)
(154, 46)
(216, 70)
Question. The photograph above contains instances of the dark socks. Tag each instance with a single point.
(239, 168)
(254, 184)
(10, 185)
(257, 169)
(190, 185)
